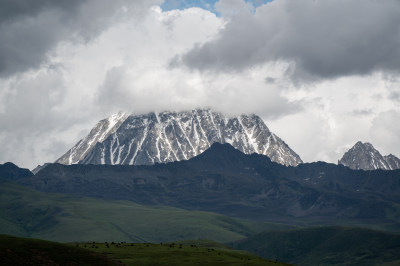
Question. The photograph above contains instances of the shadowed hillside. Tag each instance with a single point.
(326, 246)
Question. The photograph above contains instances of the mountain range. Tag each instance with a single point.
(174, 136)
(225, 180)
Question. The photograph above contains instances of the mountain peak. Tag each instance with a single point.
(364, 156)
(168, 136)
(365, 145)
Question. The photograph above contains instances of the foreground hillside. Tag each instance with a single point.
(326, 246)
(63, 218)
(23, 251)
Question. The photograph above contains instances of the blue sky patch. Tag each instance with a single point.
(204, 4)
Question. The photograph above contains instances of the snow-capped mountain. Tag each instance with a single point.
(174, 136)
(365, 156)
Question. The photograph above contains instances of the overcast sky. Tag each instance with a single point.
(322, 74)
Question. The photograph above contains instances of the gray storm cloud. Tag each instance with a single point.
(322, 39)
(35, 79)
(29, 30)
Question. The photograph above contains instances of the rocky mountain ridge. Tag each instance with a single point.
(174, 136)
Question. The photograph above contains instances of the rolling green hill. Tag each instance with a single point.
(29, 213)
(326, 246)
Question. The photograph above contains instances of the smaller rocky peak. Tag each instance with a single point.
(364, 156)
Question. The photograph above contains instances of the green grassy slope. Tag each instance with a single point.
(22, 251)
(29, 213)
(326, 246)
